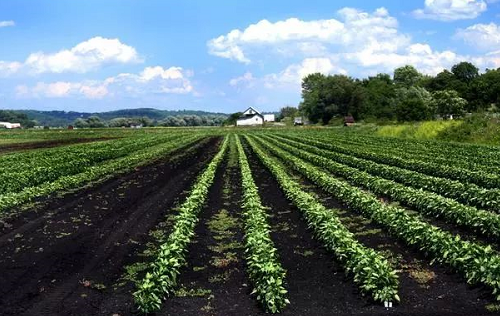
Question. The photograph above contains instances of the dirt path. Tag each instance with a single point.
(48, 144)
(215, 282)
(66, 261)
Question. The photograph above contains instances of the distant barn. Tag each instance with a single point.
(348, 120)
(250, 117)
(10, 125)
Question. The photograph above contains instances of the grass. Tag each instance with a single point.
(420, 130)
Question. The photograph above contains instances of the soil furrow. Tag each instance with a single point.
(67, 264)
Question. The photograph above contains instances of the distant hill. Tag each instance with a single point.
(63, 118)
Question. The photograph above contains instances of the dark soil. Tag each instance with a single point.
(66, 260)
(216, 269)
(48, 144)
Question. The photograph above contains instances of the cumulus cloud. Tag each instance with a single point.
(155, 80)
(451, 10)
(82, 58)
(173, 80)
(293, 74)
(356, 30)
(485, 37)
(7, 23)
(363, 43)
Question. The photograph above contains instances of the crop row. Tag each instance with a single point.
(31, 170)
(440, 156)
(477, 263)
(463, 192)
(97, 172)
(264, 268)
(478, 153)
(163, 272)
(486, 180)
(483, 222)
(370, 270)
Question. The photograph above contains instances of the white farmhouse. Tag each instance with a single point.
(250, 117)
(9, 125)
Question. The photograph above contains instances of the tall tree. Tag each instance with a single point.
(448, 102)
(465, 71)
(406, 76)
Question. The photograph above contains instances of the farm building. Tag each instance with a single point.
(348, 120)
(250, 117)
(10, 125)
(269, 118)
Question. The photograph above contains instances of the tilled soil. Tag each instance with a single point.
(67, 260)
(215, 281)
(47, 144)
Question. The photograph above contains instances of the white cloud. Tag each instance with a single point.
(246, 78)
(357, 29)
(293, 74)
(451, 10)
(9, 68)
(7, 23)
(84, 57)
(485, 37)
(156, 80)
(173, 80)
(362, 43)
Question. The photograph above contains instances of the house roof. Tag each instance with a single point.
(244, 117)
(252, 108)
(348, 119)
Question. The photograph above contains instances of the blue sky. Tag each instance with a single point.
(223, 55)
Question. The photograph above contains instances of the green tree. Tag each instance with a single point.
(414, 104)
(325, 97)
(81, 123)
(380, 100)
(448, 102)
(465, 71)
(231, 120)
(406, 76)
(289, 111)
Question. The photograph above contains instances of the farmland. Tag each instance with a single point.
(213, 221)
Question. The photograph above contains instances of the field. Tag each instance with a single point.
(212, 221)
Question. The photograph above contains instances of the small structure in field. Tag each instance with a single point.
(71, 127)
(348, 120)
(298, 121)
(269, 118)
(251, 117)
(10, 125)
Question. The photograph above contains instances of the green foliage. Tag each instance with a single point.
(404, 98)
(16, 117)
(90, 122)
(264, 269)
(325, 97)
(370, 270)
(41, 173)
(406, 76)
(414, 104)
(478, 264)
(231, 120)
(465, 71)
(289, 112)
(483, 222)
(448, 102)
(163, 273)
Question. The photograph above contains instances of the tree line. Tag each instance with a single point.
(406, 96)
(95, 121)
